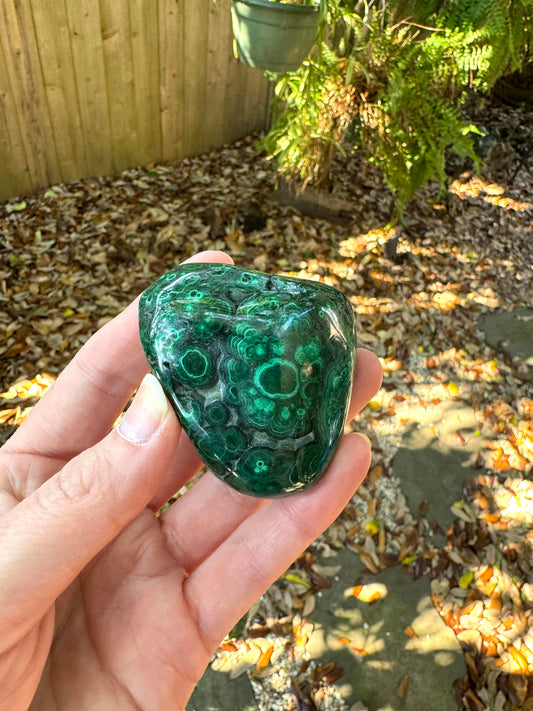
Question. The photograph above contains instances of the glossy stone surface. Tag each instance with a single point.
(258, 368)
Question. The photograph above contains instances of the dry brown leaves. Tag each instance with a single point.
(280, 672)
(73, 256)
(19, 392)
(483, 590)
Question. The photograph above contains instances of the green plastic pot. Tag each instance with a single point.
(274, 36)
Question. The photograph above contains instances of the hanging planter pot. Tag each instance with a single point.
(272, 35)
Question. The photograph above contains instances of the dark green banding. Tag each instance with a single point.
(258, 368)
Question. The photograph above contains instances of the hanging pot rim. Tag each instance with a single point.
(279, 6)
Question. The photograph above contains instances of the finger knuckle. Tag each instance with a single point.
(79, 481)
(295, 521)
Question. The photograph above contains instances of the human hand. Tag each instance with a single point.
(103, 604)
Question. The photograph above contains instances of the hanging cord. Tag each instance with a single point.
(322, 23)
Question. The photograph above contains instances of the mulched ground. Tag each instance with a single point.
(73, 256)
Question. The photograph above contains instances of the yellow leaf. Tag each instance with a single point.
(452, 387)
(372, 527)
(294, 578)
(466, 579)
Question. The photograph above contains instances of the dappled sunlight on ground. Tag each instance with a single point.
(364, 242)
(21, 391)
(474, 186)
(491, 605)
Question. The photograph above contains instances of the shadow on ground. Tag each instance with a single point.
(436, 457)
(217, 692)
(396, 652)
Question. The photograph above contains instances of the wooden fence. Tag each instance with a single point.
(89, 87)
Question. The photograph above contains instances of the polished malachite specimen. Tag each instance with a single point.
(258, 368)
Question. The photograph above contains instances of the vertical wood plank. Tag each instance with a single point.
(171, 31)
(144, 21)
(219, 54)
(53, 45)
(120, 89)
(196, 26)
(88, 59)
(256, 103)
(235, 122)
(26, 89)
(230, 99)
(14, 176)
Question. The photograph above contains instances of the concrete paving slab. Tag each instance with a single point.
(512, 332)
(436, 456)
(217, 692)
(379, 653)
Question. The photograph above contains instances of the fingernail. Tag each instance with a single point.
(146, 412)
(367, 439)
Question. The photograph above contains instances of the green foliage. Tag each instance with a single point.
(390, 76)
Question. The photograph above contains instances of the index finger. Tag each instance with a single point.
(84, 402)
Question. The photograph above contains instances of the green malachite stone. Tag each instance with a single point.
(258, 368)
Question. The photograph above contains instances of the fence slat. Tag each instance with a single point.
(52, 32)
(219, 55)
(93, 87)
(236, 95)
(26, 88)
(144, 21)
(89, 71)
(14, 176)
(120, 88)
(196, 103)
(171, 76)
(257, 103)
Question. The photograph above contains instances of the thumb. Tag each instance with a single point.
(47, 539)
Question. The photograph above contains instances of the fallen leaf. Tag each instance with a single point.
(403, 686)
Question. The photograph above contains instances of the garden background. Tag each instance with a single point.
(420, 596)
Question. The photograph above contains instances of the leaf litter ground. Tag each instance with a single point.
(73, 256)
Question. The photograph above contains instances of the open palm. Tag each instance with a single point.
(104, 605)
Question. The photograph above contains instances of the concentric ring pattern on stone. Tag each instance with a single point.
(258, 368)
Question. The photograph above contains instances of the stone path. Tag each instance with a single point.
(217, 692)
(400, 655)
(389, 663)
(511, 332)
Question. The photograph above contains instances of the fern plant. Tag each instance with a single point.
(390, 76)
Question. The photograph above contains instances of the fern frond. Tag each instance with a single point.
(392, 77)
